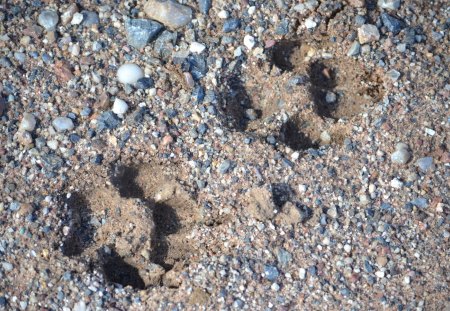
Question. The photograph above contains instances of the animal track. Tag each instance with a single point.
(132, 227)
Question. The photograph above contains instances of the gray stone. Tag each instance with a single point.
(204, 6)
(90, 18)
(425, 164)
(28, 122)
(393, 24)
(389, 4)
(141, 31)
(224, 166)
(400, 156)
(393, 74)
(62, 124)
(169, 12)
(48, 19)
(368, 33)
(271, 273)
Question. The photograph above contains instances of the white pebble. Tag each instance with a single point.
(395, 183)
(347, 248)
(379, 274)
(249, 42)
(275, 287)
(302, 188)
(407, 280)
(52, 144)
(310, 23)
(401, 155)
(28, 122)
(77, 19)
(251, 10)
(120, 107)
(302, 273)
(196, 47)
(223, 14)
(62, 124)
(129, 73)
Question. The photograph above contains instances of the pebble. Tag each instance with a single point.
(7, 266)
(389, 4)
(204, 6)
(62, 124)
(48, 19)
(271, 273)
(330, 97)
(90, 18)
(120, 107)
(223, 14)
(28, 122)
(302, 273)
(129, 73)
(141, 31)
(169, 13)
(224, 166)
(249, 42)
(354, 49)
(310, 23)
(401, 154)
(425, 164)
(77, 19)
(107, 120)
(393, 24)
(396, 183)
(231, 25)
(197, 47)
(145, 83)
(393, 74)
(379, 274)
(368, 33)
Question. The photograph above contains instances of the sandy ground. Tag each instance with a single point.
(284, 155)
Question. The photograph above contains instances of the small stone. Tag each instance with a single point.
(393, 24)
(325, 137)
(379, 274)
(107, 120)
(62, 124)
(251, 114)
(275, 287)
(354, 49)
(231, 25)
(145, 83)
(357, 3)
(310, 23)
(204, 6)
(368, 33)
(332, 212)
(223, 14)
(67, 16)
(406, 280)
(401, 156)
(90, 18)
(330, 97)
(48, 19)
(7, 266)
(169, 13)
(28, 122)
(425, 164)
(197, 47)
(120, 107)
(397, 184)
(302, 273)
(129, 73)
(393, 74)
(141, 31)
(389, 4)
(77, 19)
(249, 42)
(224, 166)
(271, 273)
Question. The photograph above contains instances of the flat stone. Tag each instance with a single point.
(62, 124)
(368, 33)
(169, 12)
(141, 31)
(48, 19)
(28, 122)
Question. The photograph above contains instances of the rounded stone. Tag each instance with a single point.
(48, 19)
(62, 124)
(129, 73)
(120, 106)
(28, 122)
(401, 156)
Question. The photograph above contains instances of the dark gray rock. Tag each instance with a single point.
(393, 24)
(107, 120)
(141, 31)
(90, 18)
(231, 25)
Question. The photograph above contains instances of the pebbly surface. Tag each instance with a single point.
(258, 155)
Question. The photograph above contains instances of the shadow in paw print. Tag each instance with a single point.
(124, 179)
(166, 223)
(281, 54)
(323, 80)
(118, 271)
(236, 102)
(281, 193)
(82, 231)
(292, 136)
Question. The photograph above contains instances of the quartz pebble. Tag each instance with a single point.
(28, 122)
(129, 73)
(401, 154)
(368, 33)
(249, 42)
(77, 19)
(48, 19)
(120, 106)
(223, 14)
(310, 23)
(62, 124)
(389, 4)
(197, 47)
(170, 13)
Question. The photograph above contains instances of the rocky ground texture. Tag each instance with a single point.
(216, 154)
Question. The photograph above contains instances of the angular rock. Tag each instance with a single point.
(141, 31)
(90, 18)
(48, 19)
(368, 33)
(393, 24)
(261, 205)
(169, 13)
(204, 6)
(389, 4)
(28, 122)
(231, 25)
